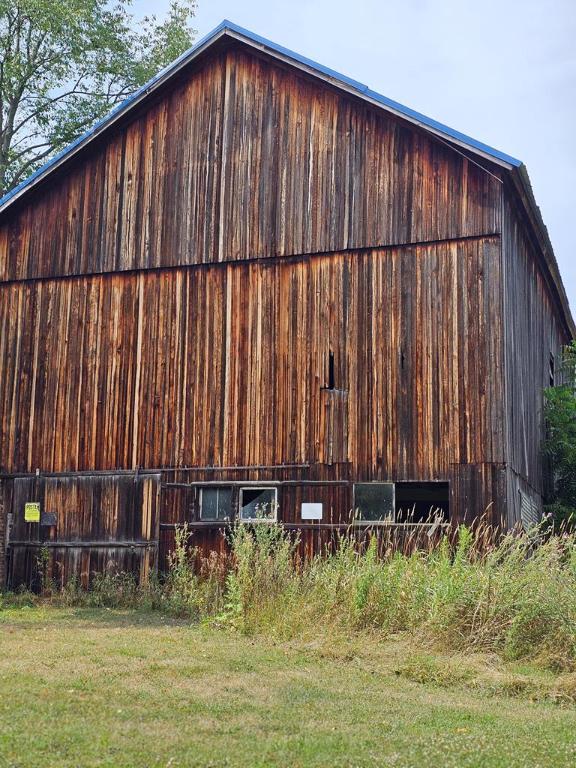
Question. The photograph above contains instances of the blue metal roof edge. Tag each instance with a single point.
(337, 77)
(369, 93)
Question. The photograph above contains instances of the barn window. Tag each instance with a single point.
(374, 502)
(215, 503)
(552, 369)
(258, 504)
(421, 502)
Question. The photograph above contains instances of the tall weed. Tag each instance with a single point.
(473, 590)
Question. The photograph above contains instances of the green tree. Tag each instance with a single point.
(560, 443)
(65, 63)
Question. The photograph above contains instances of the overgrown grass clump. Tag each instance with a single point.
(507, 596)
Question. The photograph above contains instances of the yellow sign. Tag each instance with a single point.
(32, 512)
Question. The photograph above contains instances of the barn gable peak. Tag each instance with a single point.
(229, 29)
(512, 168)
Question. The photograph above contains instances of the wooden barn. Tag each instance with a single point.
(260, 290)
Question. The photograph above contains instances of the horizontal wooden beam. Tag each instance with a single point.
(84, 544)
(357, 525)
(256, 483)
(140, 472)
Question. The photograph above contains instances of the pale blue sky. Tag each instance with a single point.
(502, 71)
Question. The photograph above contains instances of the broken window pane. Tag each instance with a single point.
(258, 504)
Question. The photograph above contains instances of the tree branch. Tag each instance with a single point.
(25, 168)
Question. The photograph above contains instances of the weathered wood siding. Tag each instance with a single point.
(103, 524)
(534, 330)
(476, 491)
(247, 160)
(225, 366)
(171, 300)
(3, 531)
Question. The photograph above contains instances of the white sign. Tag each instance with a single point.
(311, 511)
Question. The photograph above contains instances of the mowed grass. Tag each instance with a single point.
(87, 687)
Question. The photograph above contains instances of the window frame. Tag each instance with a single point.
(216, 488)
(257, 520)
(393, 520)
(363, 521)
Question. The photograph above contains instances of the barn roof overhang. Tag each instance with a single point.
(227, 29)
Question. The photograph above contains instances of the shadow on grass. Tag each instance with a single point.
(112, 617)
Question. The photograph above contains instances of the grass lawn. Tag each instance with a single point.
(104, 688)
